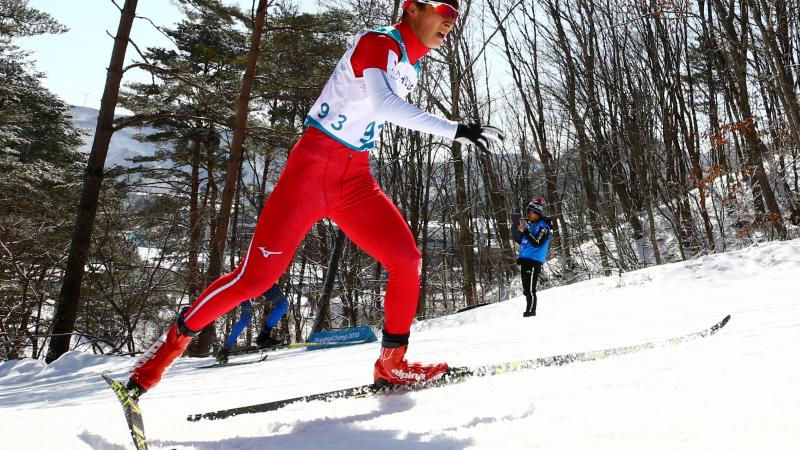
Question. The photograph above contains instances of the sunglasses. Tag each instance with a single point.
(445, 10)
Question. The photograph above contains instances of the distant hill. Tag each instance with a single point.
(123, 146)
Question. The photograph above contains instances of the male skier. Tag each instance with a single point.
(328, 175)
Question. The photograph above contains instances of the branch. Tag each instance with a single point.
(153, 68)
(439, 105)
(138, 120)
(487, 40)
(138, 50)
(160, 30)
(115, 4)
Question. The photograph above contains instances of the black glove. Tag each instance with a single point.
(477, 135)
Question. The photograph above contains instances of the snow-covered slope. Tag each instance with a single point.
(738, 389)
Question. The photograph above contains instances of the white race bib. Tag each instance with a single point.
(344, 110)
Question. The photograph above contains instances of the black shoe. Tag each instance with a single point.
(526, 314)
(264, 340)
(134, 390)
(223, 354)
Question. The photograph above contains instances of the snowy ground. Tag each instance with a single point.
(738, 389)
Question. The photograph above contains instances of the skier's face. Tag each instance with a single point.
(432, 22)
(533, 217)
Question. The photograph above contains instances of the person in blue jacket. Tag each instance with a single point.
(264, 339)
(534, 239)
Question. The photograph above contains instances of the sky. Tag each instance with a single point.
(736, 389)
(75, 62)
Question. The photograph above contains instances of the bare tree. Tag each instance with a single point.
(69, 298)
(217, 250)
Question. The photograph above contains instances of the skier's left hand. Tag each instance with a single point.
(478, 135)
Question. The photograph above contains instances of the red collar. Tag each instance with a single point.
(415, 48)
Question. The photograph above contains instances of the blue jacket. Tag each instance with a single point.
(535, 240)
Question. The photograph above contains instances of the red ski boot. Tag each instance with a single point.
(162, 353)
(392, 368)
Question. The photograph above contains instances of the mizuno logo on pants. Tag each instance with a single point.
(268, 253)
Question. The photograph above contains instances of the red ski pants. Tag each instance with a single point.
(322, 178)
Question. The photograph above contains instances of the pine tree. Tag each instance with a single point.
(39, 166)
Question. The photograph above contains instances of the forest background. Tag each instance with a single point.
(655, 131)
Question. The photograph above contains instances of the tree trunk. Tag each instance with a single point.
(217, 250)
(297, 307)
(321, 317)
(69, 298)
(784, 85)
(422, 305)
(466, 240)
(737, 45)
(193, 264)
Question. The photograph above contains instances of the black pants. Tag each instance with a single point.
(530, 276)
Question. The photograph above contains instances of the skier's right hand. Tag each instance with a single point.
(477, 135)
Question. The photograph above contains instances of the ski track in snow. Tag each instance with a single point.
(738, 389)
